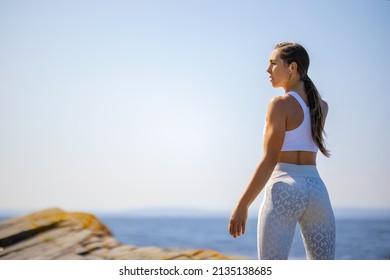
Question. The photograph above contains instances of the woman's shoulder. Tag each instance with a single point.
(324, 107)
(278, 104)
(280, 100)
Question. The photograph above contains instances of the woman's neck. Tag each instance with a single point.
(298, 87)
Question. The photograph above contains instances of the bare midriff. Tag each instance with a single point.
(298, 157)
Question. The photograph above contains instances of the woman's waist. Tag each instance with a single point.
(298, 157)
(295, 170)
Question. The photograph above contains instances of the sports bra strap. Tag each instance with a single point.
(299, 99)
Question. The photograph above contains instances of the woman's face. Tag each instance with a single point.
(279, 72)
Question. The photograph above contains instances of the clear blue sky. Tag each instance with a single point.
(116, 105)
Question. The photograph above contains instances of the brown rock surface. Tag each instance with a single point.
(56, 234)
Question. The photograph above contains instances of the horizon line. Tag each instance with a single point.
(191, 212)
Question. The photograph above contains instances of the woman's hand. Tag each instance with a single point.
(237, 221)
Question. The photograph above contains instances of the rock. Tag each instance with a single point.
(56, 234)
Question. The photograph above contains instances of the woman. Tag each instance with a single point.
(294, 191)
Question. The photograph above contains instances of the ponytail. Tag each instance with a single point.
(316, 115)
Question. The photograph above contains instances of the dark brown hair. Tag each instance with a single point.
(293, 52)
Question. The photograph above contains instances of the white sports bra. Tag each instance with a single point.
(300, 139)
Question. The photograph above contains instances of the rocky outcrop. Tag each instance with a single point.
(56, 234)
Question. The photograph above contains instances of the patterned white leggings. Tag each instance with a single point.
(296, 193)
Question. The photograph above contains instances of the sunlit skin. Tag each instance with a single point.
(283, 114)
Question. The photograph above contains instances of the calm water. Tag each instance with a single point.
(364, 239)
(356, 239)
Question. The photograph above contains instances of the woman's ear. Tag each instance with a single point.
(293, 66)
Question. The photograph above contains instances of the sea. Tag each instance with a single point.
(356, 239)
(366, 238)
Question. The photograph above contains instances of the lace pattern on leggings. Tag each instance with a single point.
(290, 200)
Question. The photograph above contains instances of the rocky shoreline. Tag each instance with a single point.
(53, 234)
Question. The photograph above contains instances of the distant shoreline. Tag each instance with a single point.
(340, 214)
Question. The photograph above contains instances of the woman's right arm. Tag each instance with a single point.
(273, 141)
